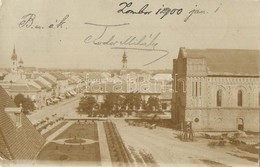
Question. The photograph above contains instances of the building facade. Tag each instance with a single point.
(216, 89)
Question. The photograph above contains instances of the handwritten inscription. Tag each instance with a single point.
(143, 40)
(131, 9)
(194, 11)
(126, 8)
(28, 21)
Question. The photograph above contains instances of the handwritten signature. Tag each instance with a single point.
(143, 41)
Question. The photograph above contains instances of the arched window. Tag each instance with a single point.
(239, 98)
(219, 98)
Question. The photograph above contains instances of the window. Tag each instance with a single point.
(196, 89)
(259, 99)
(192, 88)
(239, 98)
(200, 88)
(219, 98)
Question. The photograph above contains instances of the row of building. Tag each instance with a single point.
(45, 88)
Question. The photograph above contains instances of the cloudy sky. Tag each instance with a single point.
(34, 27)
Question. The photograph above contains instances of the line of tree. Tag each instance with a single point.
(117, 102)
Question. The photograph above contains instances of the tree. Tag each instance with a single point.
(113, 99)
(27, 103)
(153, 102)
(133, 99)
(86, 104)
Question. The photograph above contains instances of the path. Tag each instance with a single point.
(104, 151)
(55, 134)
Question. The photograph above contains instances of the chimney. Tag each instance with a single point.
(15, 114)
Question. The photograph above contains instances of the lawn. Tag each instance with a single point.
(86, 153)
(50, 132)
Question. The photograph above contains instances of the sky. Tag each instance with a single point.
(232, 24)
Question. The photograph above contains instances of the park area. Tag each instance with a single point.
(77, 144)
(142, 142)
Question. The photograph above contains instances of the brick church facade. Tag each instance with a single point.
(217, 89)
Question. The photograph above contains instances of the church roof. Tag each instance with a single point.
(17, 143)
(236, 62)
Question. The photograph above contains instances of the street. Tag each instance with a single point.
(62, 108)
(167, 149)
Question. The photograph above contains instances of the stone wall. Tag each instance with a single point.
(224, 119)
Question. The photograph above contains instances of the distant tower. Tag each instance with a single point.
(20, 63)
(20, 68)
(124, 64)
(14, 62)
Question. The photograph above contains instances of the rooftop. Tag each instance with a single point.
(49, 80)
(58, 75)
(17, 143)
(23, 88)
(228, 61)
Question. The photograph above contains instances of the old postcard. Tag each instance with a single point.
(129, 83)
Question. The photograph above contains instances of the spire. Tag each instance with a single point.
(14, 50)
(14, 56)
(124, 60)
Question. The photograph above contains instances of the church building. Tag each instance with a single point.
(217, 89)
(17, 70)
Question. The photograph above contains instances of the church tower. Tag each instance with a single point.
(14, 62)
(124, 64)
(20, 69)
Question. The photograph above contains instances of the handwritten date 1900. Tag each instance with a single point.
(127, 8)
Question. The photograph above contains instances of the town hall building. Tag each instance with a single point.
(217, 89)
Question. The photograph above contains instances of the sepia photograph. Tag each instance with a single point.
(129, 83)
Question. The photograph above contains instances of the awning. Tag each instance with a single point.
(68, 94)
(71, 93)
(61, 97)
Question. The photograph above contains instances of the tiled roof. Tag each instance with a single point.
(49, 80)
(17, 143)
(40, 84)
(23, 88)
(228, 61)
(71, 81)
(81, 75)
(58, 75)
